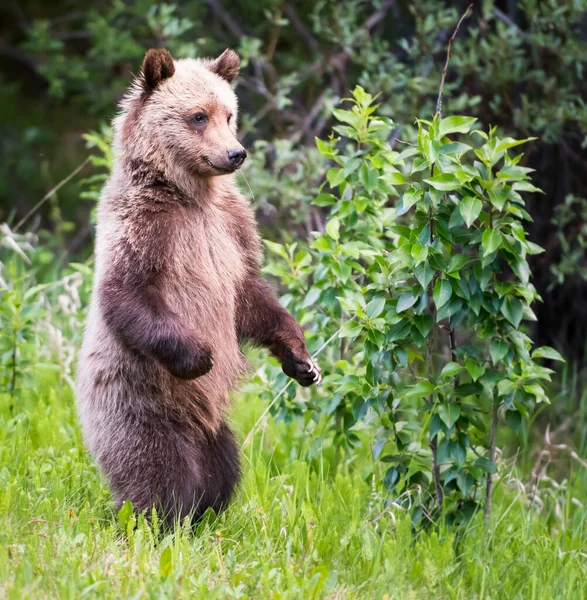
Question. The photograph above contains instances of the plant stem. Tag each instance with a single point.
(452, 342)
(13, 377)
(430, 367)
(493, 436)
(448, 55)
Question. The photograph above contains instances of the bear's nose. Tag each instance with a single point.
(237, 157)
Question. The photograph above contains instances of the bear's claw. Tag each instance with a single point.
(304, 370)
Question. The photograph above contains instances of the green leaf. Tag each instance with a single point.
(513, 310)
(350, 329)
(125, 513)
(498, 349)
(434, 426)
(513, 420)
(455, 125)
(368, 177)
(475, 369)
(424, 323)
(484, 463)
(491, 241)
(166, 562)
(333, 227)
(470, 208)
(406, 300)
(442, 292)
(468, 389)
(335, 177)
(451, 369)
(375, 307)
(444, 182)
(411, 196)
(311, 298)
(511, 143)
(324, 200)
(547, 352)
(278, 249)
(506, 387)
(449, 413)
(396, 178)
(526, 186)
(457, 262)
(419, 253)
(424, 274)
(421, 389)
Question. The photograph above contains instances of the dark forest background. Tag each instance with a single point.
(519, 65)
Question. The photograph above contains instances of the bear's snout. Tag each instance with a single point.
(236, 157)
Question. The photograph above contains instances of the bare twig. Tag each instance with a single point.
(50, 193)
(398, 141)
(448, 55)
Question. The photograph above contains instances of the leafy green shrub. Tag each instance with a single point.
(428, 300)
(41, 322)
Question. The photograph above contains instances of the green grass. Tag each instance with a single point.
(298, 529)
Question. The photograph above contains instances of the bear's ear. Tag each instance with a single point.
(157, 66)
(227, 65)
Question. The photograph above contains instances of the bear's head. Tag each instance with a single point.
(181, 115)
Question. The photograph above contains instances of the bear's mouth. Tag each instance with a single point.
(217, 168)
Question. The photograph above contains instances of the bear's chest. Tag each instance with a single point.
(208, 264)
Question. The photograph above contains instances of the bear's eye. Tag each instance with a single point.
(199, 118)
(229, 119)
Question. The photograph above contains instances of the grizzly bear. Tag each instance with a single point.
(177, 291)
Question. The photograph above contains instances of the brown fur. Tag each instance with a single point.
(157, 66)
(177, 290)
(227, 65)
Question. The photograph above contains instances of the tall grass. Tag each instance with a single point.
(298, 529)
(307, 522)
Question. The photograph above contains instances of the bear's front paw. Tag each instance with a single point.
(190, 363)
(301, 368)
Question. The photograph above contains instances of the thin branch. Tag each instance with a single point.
(312, 114)
(301, 29)
(448, 55)
(430, 368)
(339, 59)
(492, 439)
(508, 21)
(49, 194)
(378, 15)
(225, 17)
(452, 342)
(251, 434)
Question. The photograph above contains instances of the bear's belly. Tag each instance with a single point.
(201, 288)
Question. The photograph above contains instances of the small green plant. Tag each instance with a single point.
(430, 297)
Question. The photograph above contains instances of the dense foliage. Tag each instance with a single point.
(416, 248)
(519, 65)
(449, 262)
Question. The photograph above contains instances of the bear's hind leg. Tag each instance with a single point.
(219, 469)
(178, 472)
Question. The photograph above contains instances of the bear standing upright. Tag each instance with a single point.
(177, 289)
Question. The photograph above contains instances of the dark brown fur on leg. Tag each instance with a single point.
(261, 319)
(177, 471)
